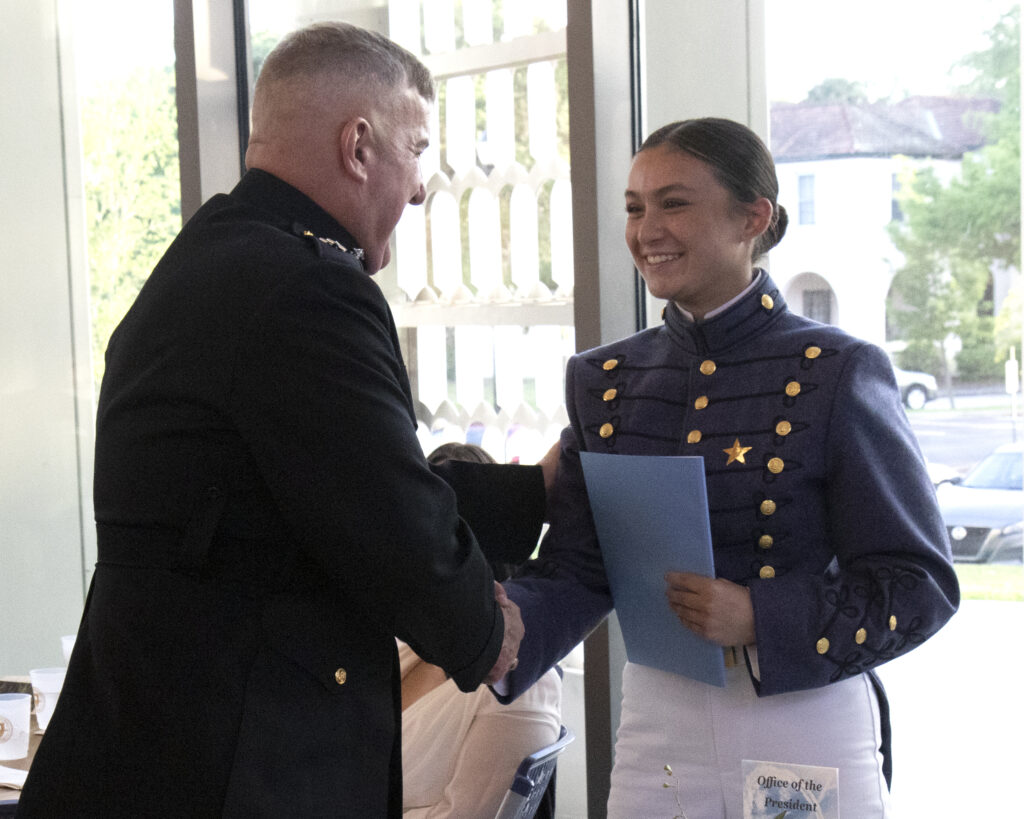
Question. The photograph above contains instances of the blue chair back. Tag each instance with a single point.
(532, 779)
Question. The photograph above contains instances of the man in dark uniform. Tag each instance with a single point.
(267, 522)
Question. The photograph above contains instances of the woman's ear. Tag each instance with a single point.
(759, 216)
(354, 149)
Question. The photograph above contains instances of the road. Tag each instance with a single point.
(963, 436)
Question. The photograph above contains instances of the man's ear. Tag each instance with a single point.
(354, 147)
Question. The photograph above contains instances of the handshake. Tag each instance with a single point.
(514, 630)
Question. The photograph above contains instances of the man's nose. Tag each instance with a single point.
(420, 197)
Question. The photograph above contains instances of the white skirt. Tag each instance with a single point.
(704, 732)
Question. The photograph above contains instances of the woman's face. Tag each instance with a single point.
(690, 238)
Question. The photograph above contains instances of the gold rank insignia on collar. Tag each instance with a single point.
(354, 251)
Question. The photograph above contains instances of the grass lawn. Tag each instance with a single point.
(991, 581)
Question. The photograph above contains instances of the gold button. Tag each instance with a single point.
(340, 676)
(793, 388)
(701, 402)
(708, 367)
(860, 636)
(610, 364)
(767, 302)
(767, 507)
(775, 466)
(822, 645)
(693, 437)
(606, 431)
(812, 352)
(783, 428)
(609, 395)
(892, 623)
(767, 572)
(765, 541)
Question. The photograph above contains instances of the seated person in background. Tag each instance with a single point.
(460, 751)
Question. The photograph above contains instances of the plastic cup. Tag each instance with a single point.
(67, 643)
(15, 723)
(46, 685)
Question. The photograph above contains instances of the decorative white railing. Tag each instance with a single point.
(484, 270)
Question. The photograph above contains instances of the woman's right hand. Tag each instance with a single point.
(713, 608)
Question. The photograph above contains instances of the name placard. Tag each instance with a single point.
(779, 790)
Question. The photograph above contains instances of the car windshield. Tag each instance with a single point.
(1000, 470)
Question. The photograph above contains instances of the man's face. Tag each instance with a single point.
(396, 181)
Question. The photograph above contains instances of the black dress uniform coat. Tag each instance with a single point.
(818, 497)
(267, 524)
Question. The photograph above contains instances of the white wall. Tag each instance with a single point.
(848, 244)
(45, 378)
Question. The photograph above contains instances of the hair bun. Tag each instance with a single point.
(780, 225)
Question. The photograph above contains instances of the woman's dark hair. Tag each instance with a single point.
(460, 452)
(739, 160)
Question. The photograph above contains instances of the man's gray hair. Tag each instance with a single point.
(345, 50)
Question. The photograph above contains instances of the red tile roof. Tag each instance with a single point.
(938, 127)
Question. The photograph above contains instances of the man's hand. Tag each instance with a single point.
(716, 609)
(514, 630)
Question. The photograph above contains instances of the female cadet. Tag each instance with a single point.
(830, 554)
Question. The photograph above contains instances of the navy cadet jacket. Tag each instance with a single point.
(817, 492)
(267, 524)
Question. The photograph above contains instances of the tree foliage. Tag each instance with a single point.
(132, 192)
(836, 89)
(954, 235)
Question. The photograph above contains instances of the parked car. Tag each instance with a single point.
(984, 510)
(941, 473)
(916, 388)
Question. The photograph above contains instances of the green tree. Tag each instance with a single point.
(132, 192)
(953, 236)
(836, 89)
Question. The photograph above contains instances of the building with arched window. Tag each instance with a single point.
(839, 166)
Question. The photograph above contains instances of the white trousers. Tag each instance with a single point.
(704, 732)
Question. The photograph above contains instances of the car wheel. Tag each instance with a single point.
(917, 397)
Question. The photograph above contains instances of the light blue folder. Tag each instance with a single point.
(651, 514)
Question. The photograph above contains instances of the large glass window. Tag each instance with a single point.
(908, 114)
(124, 60)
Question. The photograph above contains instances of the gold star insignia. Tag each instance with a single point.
(737, 452)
